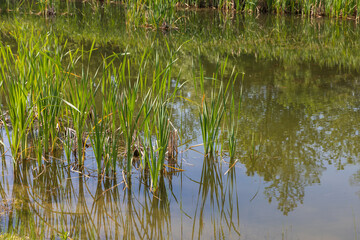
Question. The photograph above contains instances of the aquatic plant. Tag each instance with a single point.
(15, 73)
(97, 138)
(212, 108)
(130, 111)
(110, 90)
(59, 107)
(210, 116)
(154, 13)
(49, 80)
(160, 135)
(79, 99)
(20, 116)
(233, 115)
(155, 159)
(151, 14)
(68, 137)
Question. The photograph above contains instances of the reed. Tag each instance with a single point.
(233, 115)
(130, 120)
(16, 87)
(49, 81)
(160, 135)
(156, 155)
(21, 118)
(97, 138)
(151, 14)
(79, 98)
(34, 80)
(219, 108)
(54, 106)
(103, 136)
(130, 108)
(155, 13)
(52, 94)
(211, 112)
(110, 90)
(68, 136)
(79, 102)
(210, 116)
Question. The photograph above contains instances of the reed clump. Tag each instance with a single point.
(51, 102)
(119, 114)
(218, 107)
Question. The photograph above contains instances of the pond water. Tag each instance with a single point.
(297, 174)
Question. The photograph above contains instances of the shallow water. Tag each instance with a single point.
(298, 172)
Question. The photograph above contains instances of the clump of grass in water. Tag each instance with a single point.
(50, 79)
(103, 133)
(107, 125)
(165, 138)
(63, 114)
(79, 102)
(212, 111)
(34, 84)
(210, 114)
(16, 85)
(233, 116)
(110, 90)
(79, 99)
(97, 138)
(21, 118)
(155, 157)
(129, 114)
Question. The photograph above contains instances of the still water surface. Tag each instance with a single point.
(298, 169)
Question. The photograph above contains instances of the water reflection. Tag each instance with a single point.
(59, 202)
(303, 125)
(217, 202)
